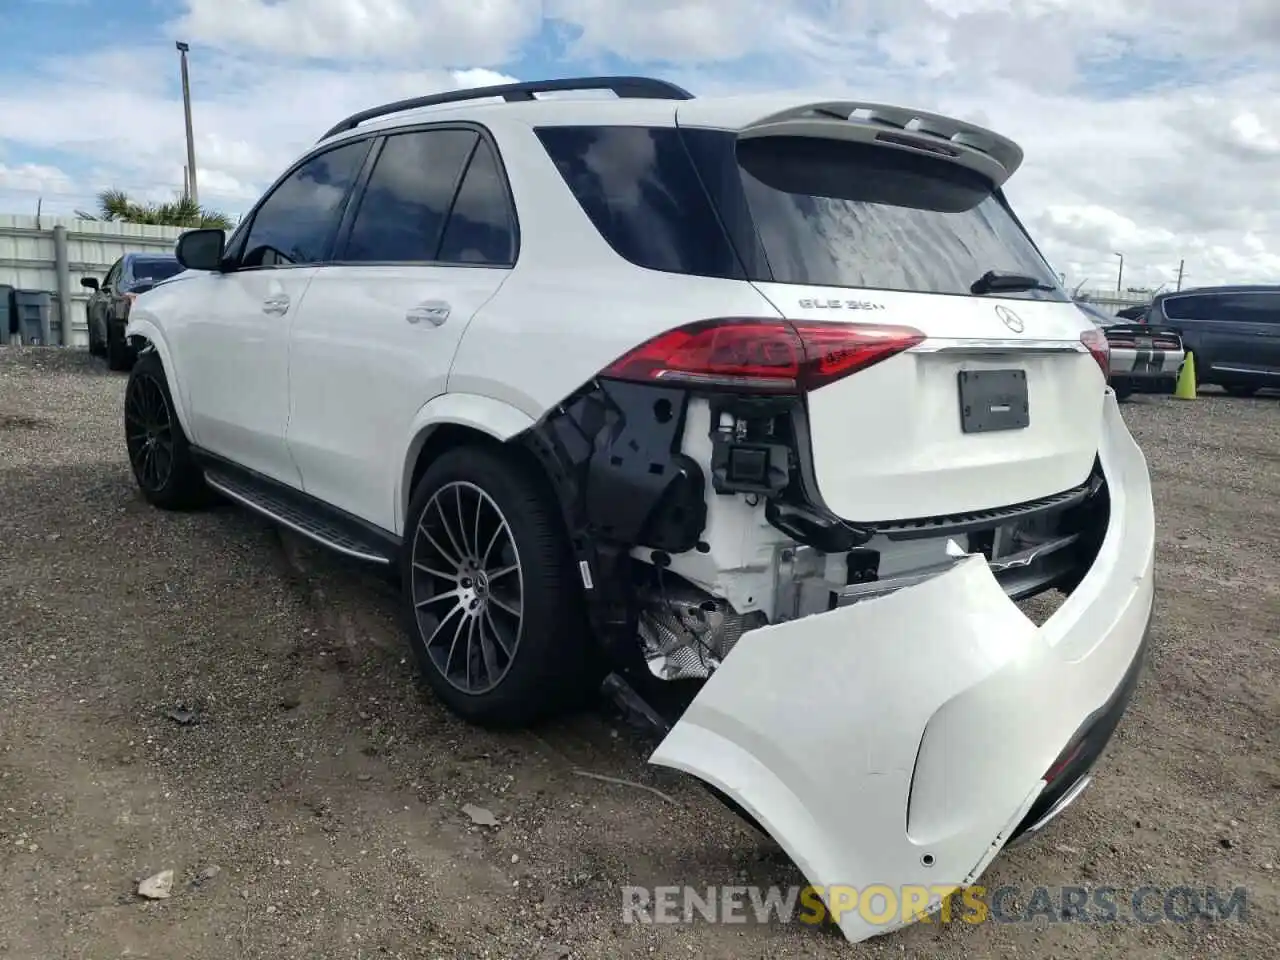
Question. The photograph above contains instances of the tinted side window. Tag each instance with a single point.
(641, 191)
(1189, 308)
(402, 212)
(481, 226)
(296, 222)
(153, 271)
(1251, 307)
(112, 279)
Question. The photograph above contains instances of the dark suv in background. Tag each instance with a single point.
(1234, 333)
(108, 310)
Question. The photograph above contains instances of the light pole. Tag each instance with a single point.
(1120, 274)
(192, 193)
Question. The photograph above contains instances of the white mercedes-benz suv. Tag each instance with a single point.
(760, 413)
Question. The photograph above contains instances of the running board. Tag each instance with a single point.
(300, 513)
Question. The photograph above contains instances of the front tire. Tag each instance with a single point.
(159, 452)
(119, 356)
(1241, 391)
(95, 345)
(491, 592)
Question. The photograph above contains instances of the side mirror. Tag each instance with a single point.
(201, 249)
(89, 283)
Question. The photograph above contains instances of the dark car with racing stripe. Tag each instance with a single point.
(1144, 358)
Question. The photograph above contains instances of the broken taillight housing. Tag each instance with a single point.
(1100, 348)
(1063, 760)
(761, 354)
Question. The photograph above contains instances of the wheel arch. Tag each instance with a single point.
(146, 335)
(452, 420)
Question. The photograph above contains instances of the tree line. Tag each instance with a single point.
(116, 205)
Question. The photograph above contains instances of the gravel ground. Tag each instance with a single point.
(195, 693)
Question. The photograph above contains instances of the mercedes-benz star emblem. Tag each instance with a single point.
(1010, 319)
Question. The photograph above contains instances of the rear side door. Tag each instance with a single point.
(1250, 336)
(429, 240)
(234, 340)
(1269, 328)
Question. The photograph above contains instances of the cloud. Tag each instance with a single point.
(251, 118)
(669, 30)
(481, 33)
(32, 177)
(1150, 128)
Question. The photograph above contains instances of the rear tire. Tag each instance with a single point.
(491, 592)
(159, 452)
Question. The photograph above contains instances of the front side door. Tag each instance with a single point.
(98, 310)
(1197, 317)
(428, 242)
(236, 349)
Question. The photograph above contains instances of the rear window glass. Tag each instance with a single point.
(155, 270)
(793, 210)
(842, 214)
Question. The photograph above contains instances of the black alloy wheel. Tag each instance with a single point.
(149, 433)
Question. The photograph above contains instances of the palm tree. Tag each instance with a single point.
(180, 212)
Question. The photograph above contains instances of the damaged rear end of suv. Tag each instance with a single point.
(766, 411)
(803, 521)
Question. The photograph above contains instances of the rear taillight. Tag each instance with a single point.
(760, 354)
(1097, 343)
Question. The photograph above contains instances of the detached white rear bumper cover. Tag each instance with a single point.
(901, 740)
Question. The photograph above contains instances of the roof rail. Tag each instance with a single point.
(640, 88)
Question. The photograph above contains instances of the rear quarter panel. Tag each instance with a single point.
(572, 305)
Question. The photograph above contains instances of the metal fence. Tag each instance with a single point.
(53, 253)
(1112, 302)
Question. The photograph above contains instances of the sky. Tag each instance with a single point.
(1151, 127)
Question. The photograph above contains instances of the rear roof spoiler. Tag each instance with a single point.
(984, 151)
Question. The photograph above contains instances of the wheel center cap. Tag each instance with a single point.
(481, 583)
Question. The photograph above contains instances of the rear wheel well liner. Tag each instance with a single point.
(437, 439)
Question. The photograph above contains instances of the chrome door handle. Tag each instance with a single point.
(278, 304)
(435, 312)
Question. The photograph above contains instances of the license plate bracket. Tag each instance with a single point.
(992, 400)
